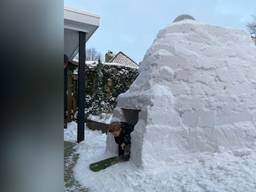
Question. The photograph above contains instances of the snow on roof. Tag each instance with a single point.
(79, 20)
(75, 21)
(92, 64)
(119, 60)
(120, 64)
(123, 59)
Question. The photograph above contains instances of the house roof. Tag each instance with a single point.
(120, 59)
(75, 21)
(78, 20)
(123, 59)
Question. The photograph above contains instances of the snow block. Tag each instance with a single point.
(195, 93)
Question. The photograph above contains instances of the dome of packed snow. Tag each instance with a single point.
(195, 93)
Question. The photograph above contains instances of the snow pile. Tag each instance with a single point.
(200, 172)
(102, 118)
(120, 64)
(195, 92)
(70, 133)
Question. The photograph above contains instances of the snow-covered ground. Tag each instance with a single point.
(71, 132)
(199, 172)
(196, 126)
(102, 118)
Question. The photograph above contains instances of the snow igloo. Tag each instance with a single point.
(196, 92)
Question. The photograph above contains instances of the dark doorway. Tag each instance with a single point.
(131, 115)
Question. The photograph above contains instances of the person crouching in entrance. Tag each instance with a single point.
(122, 134)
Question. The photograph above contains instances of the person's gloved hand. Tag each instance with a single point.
(123, 146)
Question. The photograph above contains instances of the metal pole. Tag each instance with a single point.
(81, 87)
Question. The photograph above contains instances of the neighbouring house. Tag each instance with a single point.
(123, 59)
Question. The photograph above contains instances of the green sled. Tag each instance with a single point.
(103, 164)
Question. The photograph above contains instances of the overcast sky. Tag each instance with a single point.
(131, 25)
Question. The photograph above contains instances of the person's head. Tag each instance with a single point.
(115, 128)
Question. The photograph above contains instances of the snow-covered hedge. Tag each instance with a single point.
(104, 83)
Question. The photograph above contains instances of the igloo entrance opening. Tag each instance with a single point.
(131, 116)
(135, 117)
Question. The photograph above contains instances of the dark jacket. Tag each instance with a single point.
(125, 135)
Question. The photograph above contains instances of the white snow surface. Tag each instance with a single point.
(92, 64)
(201, 172)
(195, 92)
(70, 133)
(102, 118)
(196, 130)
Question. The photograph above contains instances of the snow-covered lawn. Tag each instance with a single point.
(70, 133)
(102, 118)
(70, 159)
(205, 172)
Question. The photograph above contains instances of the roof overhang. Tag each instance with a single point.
(76, 21)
